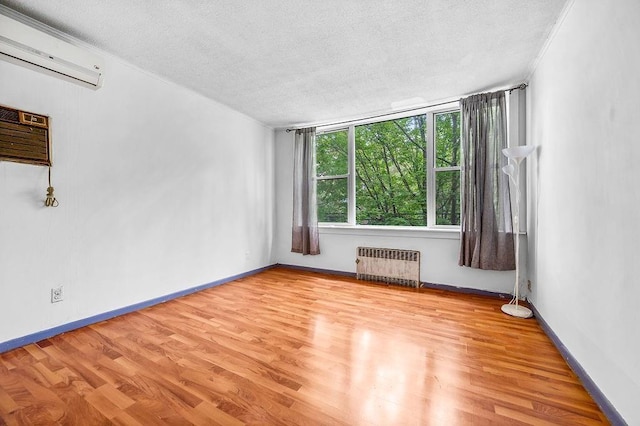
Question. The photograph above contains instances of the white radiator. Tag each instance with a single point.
(392, 266)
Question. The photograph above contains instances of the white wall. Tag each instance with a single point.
(439, 249)
(584, 109)
(160, 190)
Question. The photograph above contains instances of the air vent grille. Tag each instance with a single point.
(24, 137)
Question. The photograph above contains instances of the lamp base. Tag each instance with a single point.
(517, 311)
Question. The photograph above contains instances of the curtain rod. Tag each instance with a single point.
(520, 86)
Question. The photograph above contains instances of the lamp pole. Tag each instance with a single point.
(516, 154)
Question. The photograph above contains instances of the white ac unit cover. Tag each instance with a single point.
(22, 44)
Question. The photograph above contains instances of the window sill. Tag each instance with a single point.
(449, 233)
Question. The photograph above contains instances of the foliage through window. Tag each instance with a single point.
(447, 168)
(332, 171)
(400, 172)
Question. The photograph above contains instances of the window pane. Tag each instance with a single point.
(390, 172)
(447, 138)
(448, 197)
(331, 153)
(332, 200)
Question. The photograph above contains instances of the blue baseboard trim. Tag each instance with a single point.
(318, 270)
(45, 334)
(466, 290)
(444, 287)
(605, 405)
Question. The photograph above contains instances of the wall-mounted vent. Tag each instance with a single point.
(393, 266)
(24, 137)
(27, 46)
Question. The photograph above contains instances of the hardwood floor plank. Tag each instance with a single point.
(7, 404)
(287, 347)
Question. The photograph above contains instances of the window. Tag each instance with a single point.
(447, 168)
(399, 172)
(332, 176)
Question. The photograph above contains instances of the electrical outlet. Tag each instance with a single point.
(57, 294)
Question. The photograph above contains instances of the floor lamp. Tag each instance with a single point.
(515, 155)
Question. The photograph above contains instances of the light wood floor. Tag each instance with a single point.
(290, 347)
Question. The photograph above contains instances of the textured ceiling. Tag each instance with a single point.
(287, 62)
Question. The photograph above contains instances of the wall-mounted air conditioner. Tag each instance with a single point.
(24, 45)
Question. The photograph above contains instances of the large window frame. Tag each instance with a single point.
(431, 167)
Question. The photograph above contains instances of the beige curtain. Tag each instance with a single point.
(305, 213)
(486, 230)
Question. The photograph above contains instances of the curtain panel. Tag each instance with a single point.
(487, 240)
(305, 212)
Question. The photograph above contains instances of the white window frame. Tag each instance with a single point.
(431, 171)
(351, 183)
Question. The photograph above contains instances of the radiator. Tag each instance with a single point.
(392, 266)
